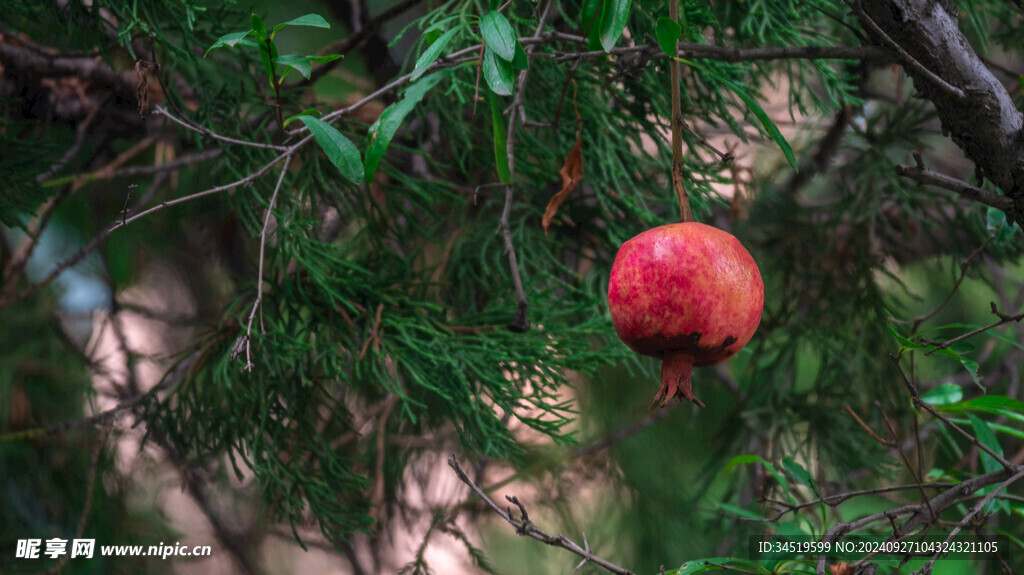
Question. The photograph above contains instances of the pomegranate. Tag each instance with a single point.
(688, 293)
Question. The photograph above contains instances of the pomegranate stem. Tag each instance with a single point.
(676, 369)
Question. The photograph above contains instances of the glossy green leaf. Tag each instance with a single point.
(228, 40)
(299, 63)
(500, 144)
(302, 64)
(613, 22)
(985, 436)
(339, 149)
(996, 401)
(766, 121)
(311, 20)
(383, 130)
(591, 22)
(668, 32)
(432, 53)
(258, 29)
(497, 73)
(722, 564)
(798, 471)
(905, 344)
(306, 112)
(499, 35)
(945, 394)
(520, 61)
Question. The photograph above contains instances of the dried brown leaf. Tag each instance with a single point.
(572, 174)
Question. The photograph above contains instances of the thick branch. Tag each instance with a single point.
(984, 122)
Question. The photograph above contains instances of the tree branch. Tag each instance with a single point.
(974, 193)
(526, 528)
(978, 113)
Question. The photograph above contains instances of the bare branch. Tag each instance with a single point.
(918, 514)
(259, 280)
(526, 528)
(1003, 320)
(974, 193)
(210, 133)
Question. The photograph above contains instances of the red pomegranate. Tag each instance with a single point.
(688, 293)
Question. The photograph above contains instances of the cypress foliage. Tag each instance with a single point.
(374, 284)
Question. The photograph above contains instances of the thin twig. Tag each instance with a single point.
(834, 500)
(1003, 320)
(926, 176)
(520, 322)
(963, 274)
(921, 404)
(526, 528)
(907, 59)
(210, 133)
(99, 238)
(974, 440)
(259, 280)
(868, 429)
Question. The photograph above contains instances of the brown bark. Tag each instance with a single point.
(975, 109)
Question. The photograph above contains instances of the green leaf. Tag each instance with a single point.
(996, 401)
(767, 122)
(801, 474)
(339, 149)
(738, 511)
(497, 73)
(228, 40)
(755, 109)
(311, 20)
(613, 22)
(905, 344)
(384, 129)
(520, 61)
(432, 53)
(258, 29)
(299, 63)
(306, 112)
(741, 459)
(972, 369)
(500, 145)
(591, 22)
(668, 33)
(945, 394)
(499, 35)
(726, 564)
(324, 58)
(985, 436)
